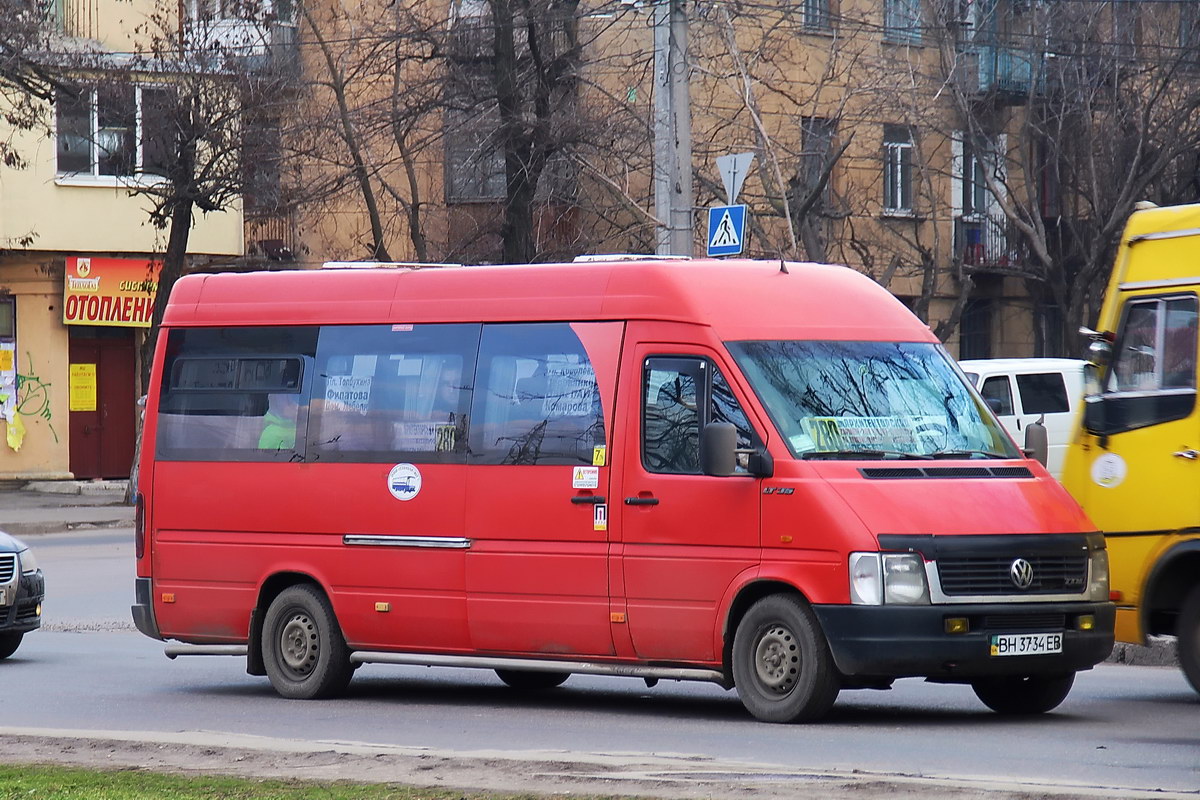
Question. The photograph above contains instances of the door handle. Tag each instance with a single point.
(1190, 455)
(641, 501)
(593, 499)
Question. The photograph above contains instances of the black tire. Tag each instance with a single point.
(782, 666)
(532, 681)
(1028, 694)
(9, 642)
(303, 650)
(1188, 634)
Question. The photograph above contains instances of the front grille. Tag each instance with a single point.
(8, 566)
(989, 575)
(1024, 622)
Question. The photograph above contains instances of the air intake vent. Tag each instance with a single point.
(894, 473)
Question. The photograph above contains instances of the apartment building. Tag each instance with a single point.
(79, 253)
(937, 145)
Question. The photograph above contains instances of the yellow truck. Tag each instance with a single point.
(1134, 460)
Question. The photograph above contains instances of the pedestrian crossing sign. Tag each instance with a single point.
(726, 230)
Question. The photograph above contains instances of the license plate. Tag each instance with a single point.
(1026, 644)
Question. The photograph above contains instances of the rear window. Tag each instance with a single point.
(1043, 393)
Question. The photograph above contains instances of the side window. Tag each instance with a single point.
(997, 393)
(385, 393)
(235, 394)
(679, 397)
(539, 401)
(1043, 393)
(671, 415)
(1156, 346)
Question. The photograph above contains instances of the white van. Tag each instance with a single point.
(1023, 390)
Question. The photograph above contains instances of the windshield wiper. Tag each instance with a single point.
(966, 454)
(851, 455)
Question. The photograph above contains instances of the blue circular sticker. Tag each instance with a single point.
(404, 481)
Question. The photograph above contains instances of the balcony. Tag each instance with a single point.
(986, 244)
(256, 44)
(1004, 73)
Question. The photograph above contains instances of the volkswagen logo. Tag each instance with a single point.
(1021, 573)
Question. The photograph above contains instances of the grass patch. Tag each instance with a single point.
(69, 783)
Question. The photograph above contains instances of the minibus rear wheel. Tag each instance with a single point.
(782, 666)
(303, 650)
(1188, 632)
(1023, 694)
(531, 681)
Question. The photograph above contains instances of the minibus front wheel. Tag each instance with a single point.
(1028, 694)
(304, 652)
(782, 666)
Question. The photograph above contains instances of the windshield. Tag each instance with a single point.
(870, 400)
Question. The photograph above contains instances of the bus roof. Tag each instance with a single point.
(740, 299)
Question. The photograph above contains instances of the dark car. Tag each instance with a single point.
(22, 589)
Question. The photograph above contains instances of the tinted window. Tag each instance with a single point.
(998, 394)
(1043, 393)
(385, 393)
(539, 402)
(235, 394)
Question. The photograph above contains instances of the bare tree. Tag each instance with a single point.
(1081, 110)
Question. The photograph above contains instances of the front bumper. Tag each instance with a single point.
(910, 641)
(24, 614)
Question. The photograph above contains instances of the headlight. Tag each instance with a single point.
(866, 581)
(28, 561)
(1098, 576)
(904, 579)
(891, 578)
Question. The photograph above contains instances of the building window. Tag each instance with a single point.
(902, 21)
(113, 130)
(8, 318)
(816, 143)
(975, 335)
(815, 15)
(897, 169)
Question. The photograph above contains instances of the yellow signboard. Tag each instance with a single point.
(83, 387)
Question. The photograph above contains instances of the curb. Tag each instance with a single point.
(96, 488)
(1161, 652)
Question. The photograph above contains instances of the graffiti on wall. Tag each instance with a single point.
(33, 401)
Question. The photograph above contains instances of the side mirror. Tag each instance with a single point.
(718, 449)
(1037, 442)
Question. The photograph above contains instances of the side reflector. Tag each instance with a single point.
(785, 539)
(383, 606)
(1086, 622)
(1116, 596)
(168, 597)
(957, 625)
(616, 616)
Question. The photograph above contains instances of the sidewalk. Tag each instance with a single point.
(35, 507)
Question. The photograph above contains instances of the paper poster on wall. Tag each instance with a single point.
(8, 381)
(83, 387)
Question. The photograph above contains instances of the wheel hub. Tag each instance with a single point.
(299, 644)
(777, 660)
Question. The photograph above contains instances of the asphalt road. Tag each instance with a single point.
(1124, 728)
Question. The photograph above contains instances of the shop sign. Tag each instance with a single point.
(110, 291)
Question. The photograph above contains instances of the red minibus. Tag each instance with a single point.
(770, 476)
